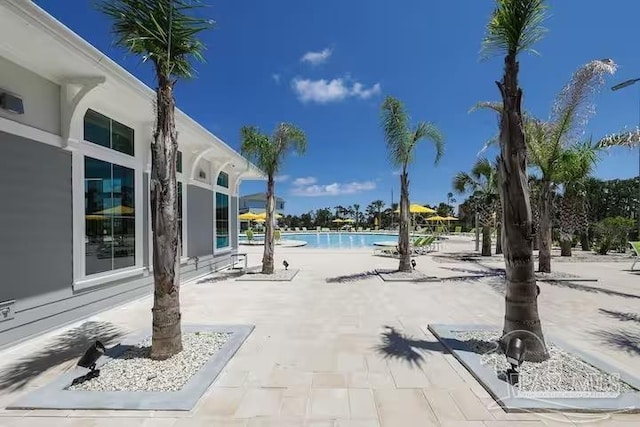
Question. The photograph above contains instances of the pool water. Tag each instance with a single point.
(337, 240)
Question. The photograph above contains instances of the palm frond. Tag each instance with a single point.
(257, 147)
(463, 183)
(429, 131)
(514, 26)
(572, 108)
(290, 137)
(487, 105)
(395, 124)
(622, 139)
(482, 169)
(161, 31)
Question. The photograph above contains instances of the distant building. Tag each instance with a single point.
(257, 203)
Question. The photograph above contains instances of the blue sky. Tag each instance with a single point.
(326, 66)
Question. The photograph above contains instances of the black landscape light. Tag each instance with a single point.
(88, 360)
(91, 356)
(413, 263)
(515, 356)
(286, 264)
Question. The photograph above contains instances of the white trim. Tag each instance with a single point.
(110, 276)
(201, 184)
(24, 131)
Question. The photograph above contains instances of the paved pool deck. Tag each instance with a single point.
(317, 356)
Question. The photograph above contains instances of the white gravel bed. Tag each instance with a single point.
(133, 370)
(562, 372)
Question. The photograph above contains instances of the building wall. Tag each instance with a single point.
(233, 221)
(41, 97)
(258, 205)
(200, 221)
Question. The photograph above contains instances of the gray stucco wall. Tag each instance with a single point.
(146, 226)
(199, 221)
(36, 254)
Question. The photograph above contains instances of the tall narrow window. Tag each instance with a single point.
(223, 180)
(179, 162)
(109, 216)
(222, 221)
(180, 216)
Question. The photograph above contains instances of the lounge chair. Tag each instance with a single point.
(636, 248)
(297, 229)
(458, 230)
(318, 228)
(359, 228)
(304, 228)
(367, 229)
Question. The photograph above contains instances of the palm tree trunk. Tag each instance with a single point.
(269, 238)
(486, 241)
(565, 247)
(166, 337)
(403, 233)
(521, 305)
(584, 241)
(499, 239)
(544, 231)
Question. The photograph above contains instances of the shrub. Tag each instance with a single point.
(612, 234)
(276, 235)
(249, 234)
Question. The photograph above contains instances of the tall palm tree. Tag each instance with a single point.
(378, 205)
(514, 27)
(268, 153)
(356, 209)
(550, 143)
(482, 183)
(165, 33)
(401, 142)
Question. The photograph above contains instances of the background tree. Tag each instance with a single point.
(514, 27)
(482, 184)
(378, 205)
(356, 211)
(401, 142)
(268, 153)
(165, 33)
(450, 199)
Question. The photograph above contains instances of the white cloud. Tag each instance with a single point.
(316, 58)
(304, 181)
(335, 189)
(282, 178)
(396, 173)
(324, 91)
(276, 78)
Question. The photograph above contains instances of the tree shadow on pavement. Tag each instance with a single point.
(622, 340)
(593, 289)
(68, 345)
(623, 317)
(352, 277)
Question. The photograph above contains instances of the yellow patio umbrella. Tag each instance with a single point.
(248, 216)
(117, 210)
(259, 220)
(416, 208)
(437, 218)
(263, 215)
(349, 220)
(450, 218)
(338, 220)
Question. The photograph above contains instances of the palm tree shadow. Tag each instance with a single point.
(69, 345)
(352, 277)
(593, 289)
(623, 317)
(623, 340)
(395, 345)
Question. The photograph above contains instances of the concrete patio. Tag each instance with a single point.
(315, 357)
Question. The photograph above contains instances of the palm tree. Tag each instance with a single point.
(269, 152)
(482, 183)
(514, 27)
(378, 205)
(550, 143)
(163, 32)
(401, 141)
(356, 209)
(450, 199)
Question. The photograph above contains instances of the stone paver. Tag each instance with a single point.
(318, 355)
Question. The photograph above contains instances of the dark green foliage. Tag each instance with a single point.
(612, 234)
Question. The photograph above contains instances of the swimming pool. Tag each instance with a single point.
(337, 240)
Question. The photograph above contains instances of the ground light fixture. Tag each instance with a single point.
(89, 360)
(286, 264)
(516, 350)
(413, 263)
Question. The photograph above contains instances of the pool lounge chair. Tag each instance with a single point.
(636, 248)
(458, 230)
(318, 228)
(297, 228)
(367, 229)
(416, 247)
(304, 228)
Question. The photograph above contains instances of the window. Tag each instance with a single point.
(103, 131)
(180, 215)
(179, 162)
(223, 180)
(222, 221)
(109, 193)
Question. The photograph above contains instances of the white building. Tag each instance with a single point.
(75, 131)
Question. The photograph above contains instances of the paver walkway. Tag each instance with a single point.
(314, 358)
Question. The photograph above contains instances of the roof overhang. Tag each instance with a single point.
(33, 39)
